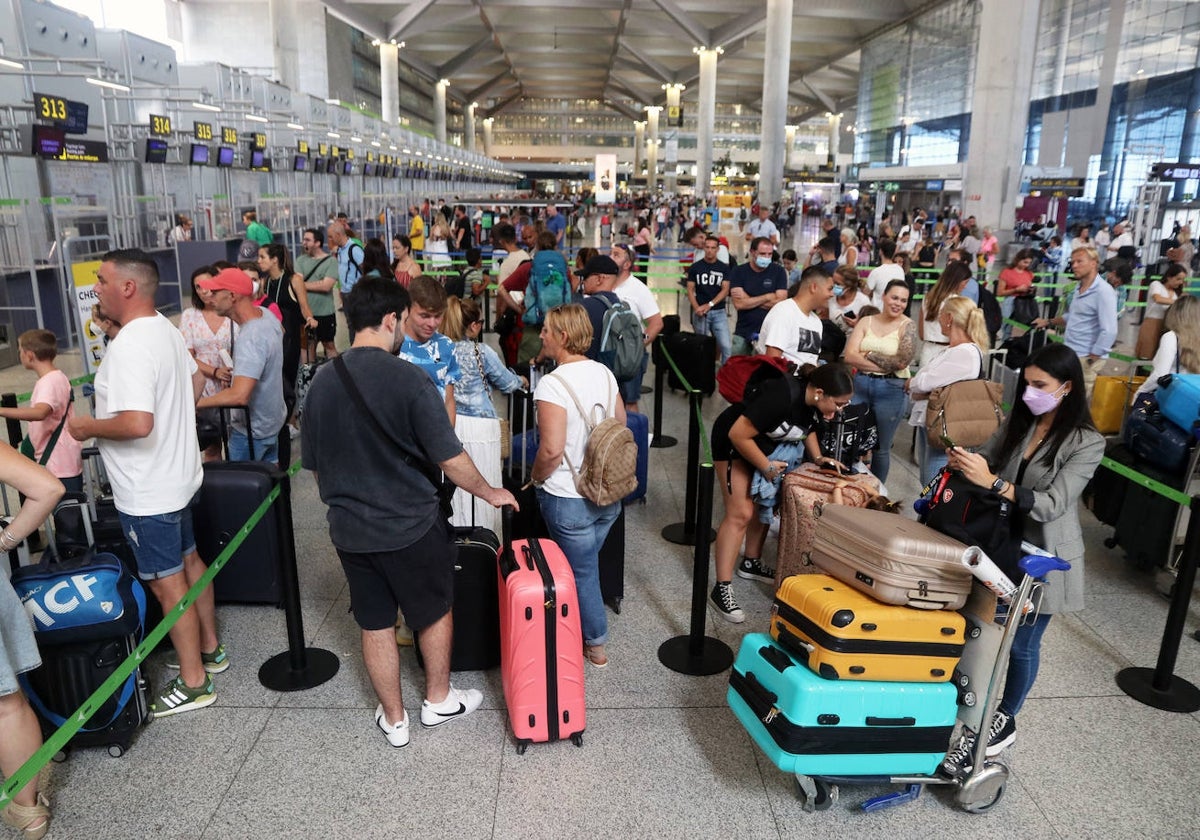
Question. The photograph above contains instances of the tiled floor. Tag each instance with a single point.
(662, 757)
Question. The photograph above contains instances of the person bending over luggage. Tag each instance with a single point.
(743, 437)
(577, 524)
(20, 733)
(375, 464)
(1041, 458)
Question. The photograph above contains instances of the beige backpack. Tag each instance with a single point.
(609, 470)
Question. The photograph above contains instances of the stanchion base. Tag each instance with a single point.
(663, 442)
(715, 656)
(277, 673)
(1180, 696)
(646, 389)
(676, 534)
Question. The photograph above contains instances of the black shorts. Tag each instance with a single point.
(722, 447)
(418, 579)
(326, 327)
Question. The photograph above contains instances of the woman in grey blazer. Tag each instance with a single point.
(1040, 458)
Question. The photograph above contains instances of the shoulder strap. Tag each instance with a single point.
(420, 464)
(586, 419)
(50, 444)
(313, 270)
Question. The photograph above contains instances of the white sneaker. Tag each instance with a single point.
(458, 703)
(396, 733)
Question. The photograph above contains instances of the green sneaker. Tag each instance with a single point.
(179, 697)
(215, 662)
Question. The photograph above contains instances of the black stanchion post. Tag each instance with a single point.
(13, 426)
(684, 533)
(1160, 687)
(298, 667)
(487, 309)
(697, 654)
(660, 440)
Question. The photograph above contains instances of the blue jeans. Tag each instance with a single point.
(160, 541)
(886, 397)
(929, 460)
(580, 528)
(716, 324)
(265, 449)
(1023, 664)
(631, 389)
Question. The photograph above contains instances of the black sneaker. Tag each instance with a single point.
(753, 569)
(961, 759)
(1003, 733)
(723, 602)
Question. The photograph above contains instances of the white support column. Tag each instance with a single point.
(487, 136)
(652, 112)
(789, 133)
(1000, 112)
(776, 75)
(705, 118)
(639, 145)
(469, 119)
(835, 137)
(285, 41)
(439, 110)
(671, 165)
(389, 83)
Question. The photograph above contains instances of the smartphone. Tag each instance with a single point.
(949, 444)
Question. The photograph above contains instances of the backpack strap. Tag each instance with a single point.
(586, 419)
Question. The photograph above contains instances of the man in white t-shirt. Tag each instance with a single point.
(1122, 238)
(887, 271)
(793, 329)
(641, 301)
(145, 424)
(762, 226)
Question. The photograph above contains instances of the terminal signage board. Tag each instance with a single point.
(160, 126)
(1175, 171)
(260, 140)
(52, 144)
(229, 136)
(71, 117)
(202, 131)
(1058, 187)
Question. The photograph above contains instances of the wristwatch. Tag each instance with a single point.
(999, 484)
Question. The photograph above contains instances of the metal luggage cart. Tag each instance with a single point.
(981, 788)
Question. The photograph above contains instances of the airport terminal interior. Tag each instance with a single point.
(1030, 118)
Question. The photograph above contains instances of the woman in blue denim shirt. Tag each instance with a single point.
(476, 423)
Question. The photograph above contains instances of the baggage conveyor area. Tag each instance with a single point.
(663, 755)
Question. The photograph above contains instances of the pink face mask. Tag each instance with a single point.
(1042, 402)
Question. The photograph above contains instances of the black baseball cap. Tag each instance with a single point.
(600, 264)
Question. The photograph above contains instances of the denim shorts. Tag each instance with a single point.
(160, 541)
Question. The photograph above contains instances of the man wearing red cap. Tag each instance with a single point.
(257, 367)
(145, 423)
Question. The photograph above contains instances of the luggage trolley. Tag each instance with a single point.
(981, 788)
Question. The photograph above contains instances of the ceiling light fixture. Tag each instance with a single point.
(15, 65)
(333, 134)
(104, 83)
(256, 118)
(204, 106)
(295, 126)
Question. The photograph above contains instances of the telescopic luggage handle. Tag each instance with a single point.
(506, 558)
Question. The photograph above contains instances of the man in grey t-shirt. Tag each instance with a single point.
(257, 367)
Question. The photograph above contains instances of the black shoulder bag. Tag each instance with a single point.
(443, 485)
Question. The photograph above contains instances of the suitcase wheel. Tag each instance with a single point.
(1110, 542)
(522, 745)
(815, 794)
(116, 750)
(577, 739)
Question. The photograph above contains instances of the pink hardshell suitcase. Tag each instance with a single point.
(541, 642)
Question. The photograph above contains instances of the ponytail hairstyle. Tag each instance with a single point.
(968, 317)
(953, 276)
(835, 379)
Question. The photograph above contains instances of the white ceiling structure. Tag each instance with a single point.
(622, 52)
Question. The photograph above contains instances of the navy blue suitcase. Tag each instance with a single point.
(1151, 436)
(639, 424)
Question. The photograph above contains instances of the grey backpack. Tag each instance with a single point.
(621, 347)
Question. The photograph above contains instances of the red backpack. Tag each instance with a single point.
(740, 378)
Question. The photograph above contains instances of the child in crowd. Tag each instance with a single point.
(50, 406)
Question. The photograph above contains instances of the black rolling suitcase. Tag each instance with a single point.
(1144, 524)
(527, 523)
(476, 602)
(231, 491)
(1104, 494)
(612, 564)
(696, 358)
(88, 614)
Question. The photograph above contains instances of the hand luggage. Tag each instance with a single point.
(891, 558)
(231, 491)
(1150, 436)
(802, 491)
(541, 642)
(1179, 399)
(307, 370)
(1143, 521)
(88, 616)
(696, 358)
(806, 724)
(527, 522)
(1110, 399)
(612, 564)
(639, 424)
(476, 644)
(841, 633)
(1105, 492)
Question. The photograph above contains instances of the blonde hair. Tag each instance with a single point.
(968, 317)
(454, 325)
(571, 319)
(851, 236)
(1187, 330)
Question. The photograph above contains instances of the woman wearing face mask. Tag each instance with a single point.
(848, 298)
(1040, 458)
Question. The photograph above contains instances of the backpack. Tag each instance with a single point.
(742, 377)
(968, 412)
(621, 347)
(609, 470)
(993, 318)
(548, 286)
(248, 250)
